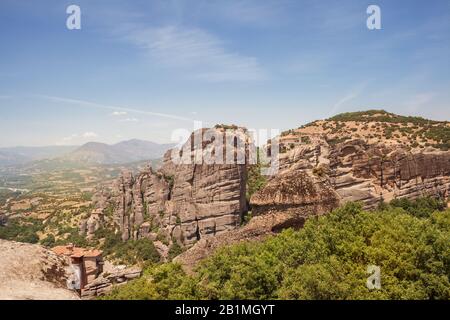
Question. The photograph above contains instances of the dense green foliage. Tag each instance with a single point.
(175, 250)
(327, 259)
(22, 230)
(255, 180)
(26, 230)
(421, 208)
(166, 281)
(441, 135)
(49, 241)
(128, 252)
(381, 116)
(437, 131)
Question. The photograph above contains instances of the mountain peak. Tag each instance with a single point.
(122, 152)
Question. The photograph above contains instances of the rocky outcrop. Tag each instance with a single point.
(320, 168)
(182, 202)
(287, 200)
(31, 272)
(105, 283)
(372, 173)
(317, 176)
(295, 192)
(257, 229)
(3, 219)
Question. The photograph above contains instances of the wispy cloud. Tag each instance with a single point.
(89, 104)
(119, 113)
(89, 134)
(354, 93)
(78, 137)
(130, 120)
(196, 51)
(249, 13)
(418, 101)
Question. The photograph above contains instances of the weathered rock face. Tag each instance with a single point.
(31, 272)
(372, 172)
(204, 203)
(105, 283)
(295, 192)
(180, 203)
(287, 200)
(3, 219)
(259, 228)
(315, 178)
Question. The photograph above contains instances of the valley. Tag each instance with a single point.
(53, 195)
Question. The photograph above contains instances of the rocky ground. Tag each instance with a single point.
(31, 272)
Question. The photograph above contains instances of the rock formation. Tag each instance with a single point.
(31, 272)
(373, 172)
(108, 280)
(295, 192)
(328, 163)
(182, 202)
(287, 200)
(322, 165)
(3, 219)
(377, 173)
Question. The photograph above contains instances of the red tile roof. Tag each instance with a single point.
(74, 252)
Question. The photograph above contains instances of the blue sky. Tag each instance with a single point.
(140, 69)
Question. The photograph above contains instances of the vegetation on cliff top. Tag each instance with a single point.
(255, 180)
(381, 116)
(416, 130)
(327, 259)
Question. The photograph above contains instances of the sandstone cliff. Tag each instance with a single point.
(369, 157)
(181, 202)
(352, 157)
(287, 200)
(374, 156)
(31, 272)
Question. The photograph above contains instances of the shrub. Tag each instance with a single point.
(175, 250)
(131, 251)
(49, 241)
(255, 180)
(422, 207)
(22, 230)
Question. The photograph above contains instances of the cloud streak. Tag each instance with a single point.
(350, 96)
(119, 113)
(89, 104)
(130, 120)
(77, 137)
(196, 51)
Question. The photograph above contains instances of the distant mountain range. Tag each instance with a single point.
(122, 152)
(90, 153)
(21, 155)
